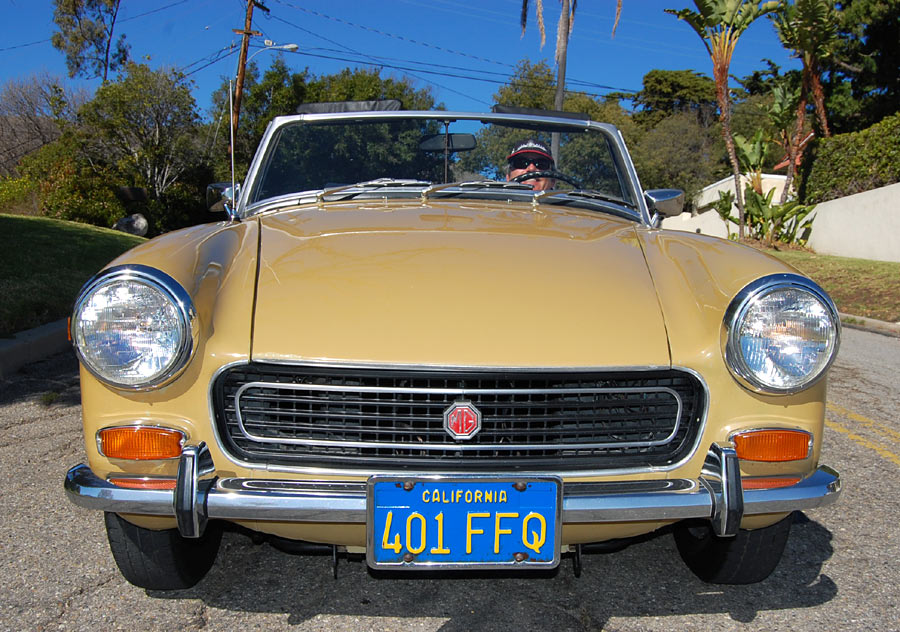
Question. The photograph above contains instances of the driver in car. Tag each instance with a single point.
(530, 156)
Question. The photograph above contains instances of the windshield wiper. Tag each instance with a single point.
(362, 187)
(560, 196)
(475, 184)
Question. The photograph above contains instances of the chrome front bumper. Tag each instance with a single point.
(716, 495)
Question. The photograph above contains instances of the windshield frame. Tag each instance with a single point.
(616, 144)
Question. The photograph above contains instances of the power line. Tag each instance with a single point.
(428, 45)
(373, 60)
(14, 47)
(134, 17)
(392, 35)
(501, 80)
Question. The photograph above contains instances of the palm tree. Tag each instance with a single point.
(563, 30)
(809, 28)
(720, 23)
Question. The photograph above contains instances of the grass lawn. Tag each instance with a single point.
(857, 286)
(44, 264)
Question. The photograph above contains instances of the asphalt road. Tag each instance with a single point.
(840, 570)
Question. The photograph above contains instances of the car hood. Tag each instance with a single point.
(450, 285)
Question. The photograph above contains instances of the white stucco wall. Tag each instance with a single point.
(865, 225)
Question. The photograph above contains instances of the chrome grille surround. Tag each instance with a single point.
(392, 419)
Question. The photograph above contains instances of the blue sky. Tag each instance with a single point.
(461, 50)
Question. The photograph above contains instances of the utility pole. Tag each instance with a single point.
(242, 63)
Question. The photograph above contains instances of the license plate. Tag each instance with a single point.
(463, 522)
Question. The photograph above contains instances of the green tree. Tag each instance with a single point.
(668, 92)
(782, 115)
(864, 79)
(145, 124)
(280, 91)
(85, 37)
(720, 23)
(679, 152)
(809, 28)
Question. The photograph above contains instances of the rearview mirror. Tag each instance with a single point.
(450, 142)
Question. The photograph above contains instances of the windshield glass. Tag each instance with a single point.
(311, 156)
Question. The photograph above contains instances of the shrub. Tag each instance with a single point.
(852, 163)
(17, 195)
(70, 189)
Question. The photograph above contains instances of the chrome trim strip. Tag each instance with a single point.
(322, 471)
(324, 363)
(335, 501)
(459, 393)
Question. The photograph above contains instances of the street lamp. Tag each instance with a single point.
(270, 45)
(239, 89)
(239, 84)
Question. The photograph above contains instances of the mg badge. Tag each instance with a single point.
(462, 420)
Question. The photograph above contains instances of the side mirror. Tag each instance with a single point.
(220, 197)
(666, 202)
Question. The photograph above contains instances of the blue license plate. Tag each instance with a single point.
(463, 522)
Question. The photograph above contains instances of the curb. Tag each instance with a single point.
(870, 324)
(44, 341)
(32, 345)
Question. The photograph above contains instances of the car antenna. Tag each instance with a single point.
(232, 208)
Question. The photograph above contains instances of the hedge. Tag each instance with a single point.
(852, 163)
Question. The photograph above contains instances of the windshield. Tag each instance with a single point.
(400, 157)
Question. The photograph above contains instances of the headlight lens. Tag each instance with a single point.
(782, 333)
(134, 327)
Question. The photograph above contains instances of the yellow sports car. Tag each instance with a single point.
(449, 341)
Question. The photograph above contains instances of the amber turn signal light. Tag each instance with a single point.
(141, 443)
(144, 483)
(773, 445)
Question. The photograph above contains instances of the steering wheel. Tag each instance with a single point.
(555, 175)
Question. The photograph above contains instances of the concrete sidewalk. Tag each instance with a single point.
(36, 344)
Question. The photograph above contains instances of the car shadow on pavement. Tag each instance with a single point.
(53, 381)
(645, 579)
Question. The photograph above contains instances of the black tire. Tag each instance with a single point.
(747, 558)
(161, 560)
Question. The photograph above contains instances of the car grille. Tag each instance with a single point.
(394, 419)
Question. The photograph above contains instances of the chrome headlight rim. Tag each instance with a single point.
(172, 290)
(738, 308)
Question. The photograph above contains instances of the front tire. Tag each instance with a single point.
(746, 558)
(161, 560)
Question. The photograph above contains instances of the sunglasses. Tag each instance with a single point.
(521, 162)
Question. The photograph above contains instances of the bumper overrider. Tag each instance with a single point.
(717, 495)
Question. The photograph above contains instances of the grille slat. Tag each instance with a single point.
(393, 419)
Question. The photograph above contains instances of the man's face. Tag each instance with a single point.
(526, 163)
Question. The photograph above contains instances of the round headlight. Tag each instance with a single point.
(134, 327)
(782, 332)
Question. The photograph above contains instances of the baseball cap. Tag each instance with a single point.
(531, 146)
